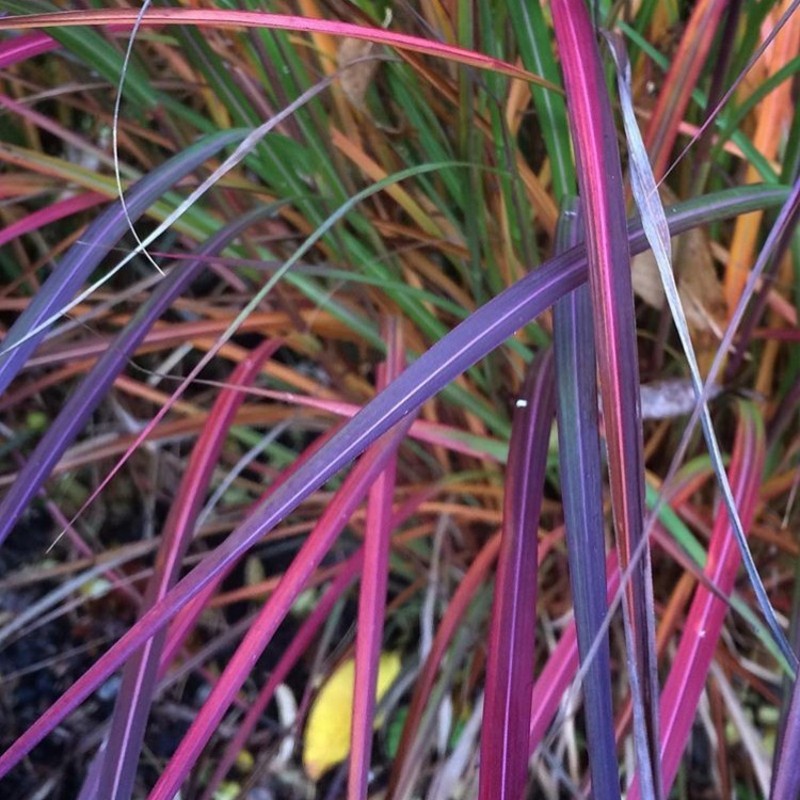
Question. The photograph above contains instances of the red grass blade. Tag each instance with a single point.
(219, 18)
(121, 754)
(300, 642)
(703, 627)
(406, 762)
(509, 670)
(600, 181)
(681, 81)
(372, 597)
(279, 604)
(56, 211)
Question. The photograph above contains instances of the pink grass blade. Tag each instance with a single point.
(24, 47)
(470, 341)
(94, 387)
(100, 237)
(553, 683)
(335, 517)
(435, 433)
(301, 641)
(372, 597)
(581, 472)
(509, 670)
(600, 181)
(219, 18)
(187, 617)
(703, 627)
(52, 213)
(121, 754)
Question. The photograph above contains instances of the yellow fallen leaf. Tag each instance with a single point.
(327, 739)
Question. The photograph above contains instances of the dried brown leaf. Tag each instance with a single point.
(356, 78)
(699, 287)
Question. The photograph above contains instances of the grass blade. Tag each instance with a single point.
(506, 718)
(656, 229)
(680, 698)
(252, 19)
(101, 236)
(470, 341)
(372, 597)
(581, 473)
(600, 182)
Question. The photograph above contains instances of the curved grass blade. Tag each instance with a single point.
(481, 333)
(100, 237)
(83, 401)
(227, 18)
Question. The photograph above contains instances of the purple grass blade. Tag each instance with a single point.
(100, 237)
(479, 334)
(701, 633)
(372, 597)
(335, 517)
(300, 642)
(581, 471)
(509, 669)
(121, 755)
(786, 780)
(600, 181)
(95, 386)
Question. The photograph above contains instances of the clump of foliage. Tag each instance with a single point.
(399, 401)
